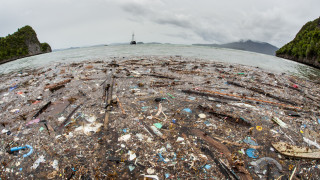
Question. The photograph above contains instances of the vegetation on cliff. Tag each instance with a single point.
(45, 47)
(305, 47)
(20, 44)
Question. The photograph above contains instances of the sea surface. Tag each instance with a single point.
(270, 63)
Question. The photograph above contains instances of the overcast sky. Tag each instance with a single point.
(73, 23)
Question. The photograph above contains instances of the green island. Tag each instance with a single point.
(22, 43)
(305, 47)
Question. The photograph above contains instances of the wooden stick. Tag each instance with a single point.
(122, 110)
(108, 105)
(294, 171)
(243, 172)
(58, 85)
(253, 99)
(65, 122)
(42, 109)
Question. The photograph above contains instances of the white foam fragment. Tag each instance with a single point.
(37, 162)
(92, 119)
(124, 137)
(61, 119)
(4, 131)
(55, 164)
(311, 143)
(140, 136)
(132, 155)
(180, 139)
(245, 105)
(88, 128)
(279, 122)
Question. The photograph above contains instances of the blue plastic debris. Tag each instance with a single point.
(24, 147)
(187, 110)
(173, 121)
(20, 169)
(124, 130)
(30, 152)
(248, 140)
(161, 158)
(253, 153)
(207, 166)
(167, 175)
(319, 120)
(12, 88)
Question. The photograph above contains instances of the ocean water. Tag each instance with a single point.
(270, 63)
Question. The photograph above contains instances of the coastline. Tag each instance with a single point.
(17, 58)
(310, 62)
(165, 116)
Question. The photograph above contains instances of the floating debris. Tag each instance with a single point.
(178, 118)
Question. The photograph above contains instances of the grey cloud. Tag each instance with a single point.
(188, 23)
(136, 9)
(206, 32)
(182, 35)
(212, 36)
(80, 22)
(174, 21)
(265, 21)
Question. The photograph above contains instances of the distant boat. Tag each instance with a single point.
(133, 41)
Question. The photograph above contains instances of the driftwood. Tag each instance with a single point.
(56, 86)
(108, 101)
(296, 151)
(251, 99)
(120, 105)
(43, 108)
(242, 171)
(223, 168)
(68, 119)
(49, 128)
(209, 95)
(260, 91)
(188, 71)
(161, 76)
(229, 117)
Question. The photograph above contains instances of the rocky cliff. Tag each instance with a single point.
(21, 44)
(305, 47)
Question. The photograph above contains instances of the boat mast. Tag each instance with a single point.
(133, 41)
